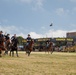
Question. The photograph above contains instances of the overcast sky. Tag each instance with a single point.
(35, 16)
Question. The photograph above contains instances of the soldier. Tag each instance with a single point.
(2, 47)
(14, 47)
(28, 39)
(7, 43)
(14, 40)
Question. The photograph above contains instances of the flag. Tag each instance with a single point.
(51, 24)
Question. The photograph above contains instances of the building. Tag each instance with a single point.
(71, 35)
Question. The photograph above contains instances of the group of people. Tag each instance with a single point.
(5, 41)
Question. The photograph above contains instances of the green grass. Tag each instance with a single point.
(39, 63)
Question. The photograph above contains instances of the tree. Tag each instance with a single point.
(20, 38)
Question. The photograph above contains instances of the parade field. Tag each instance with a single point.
(39, 63)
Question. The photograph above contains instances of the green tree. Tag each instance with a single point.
(20, 38)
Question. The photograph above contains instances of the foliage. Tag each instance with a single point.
(20, 38)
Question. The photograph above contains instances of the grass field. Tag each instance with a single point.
(39, 63)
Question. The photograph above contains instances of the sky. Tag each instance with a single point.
(23, 17)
